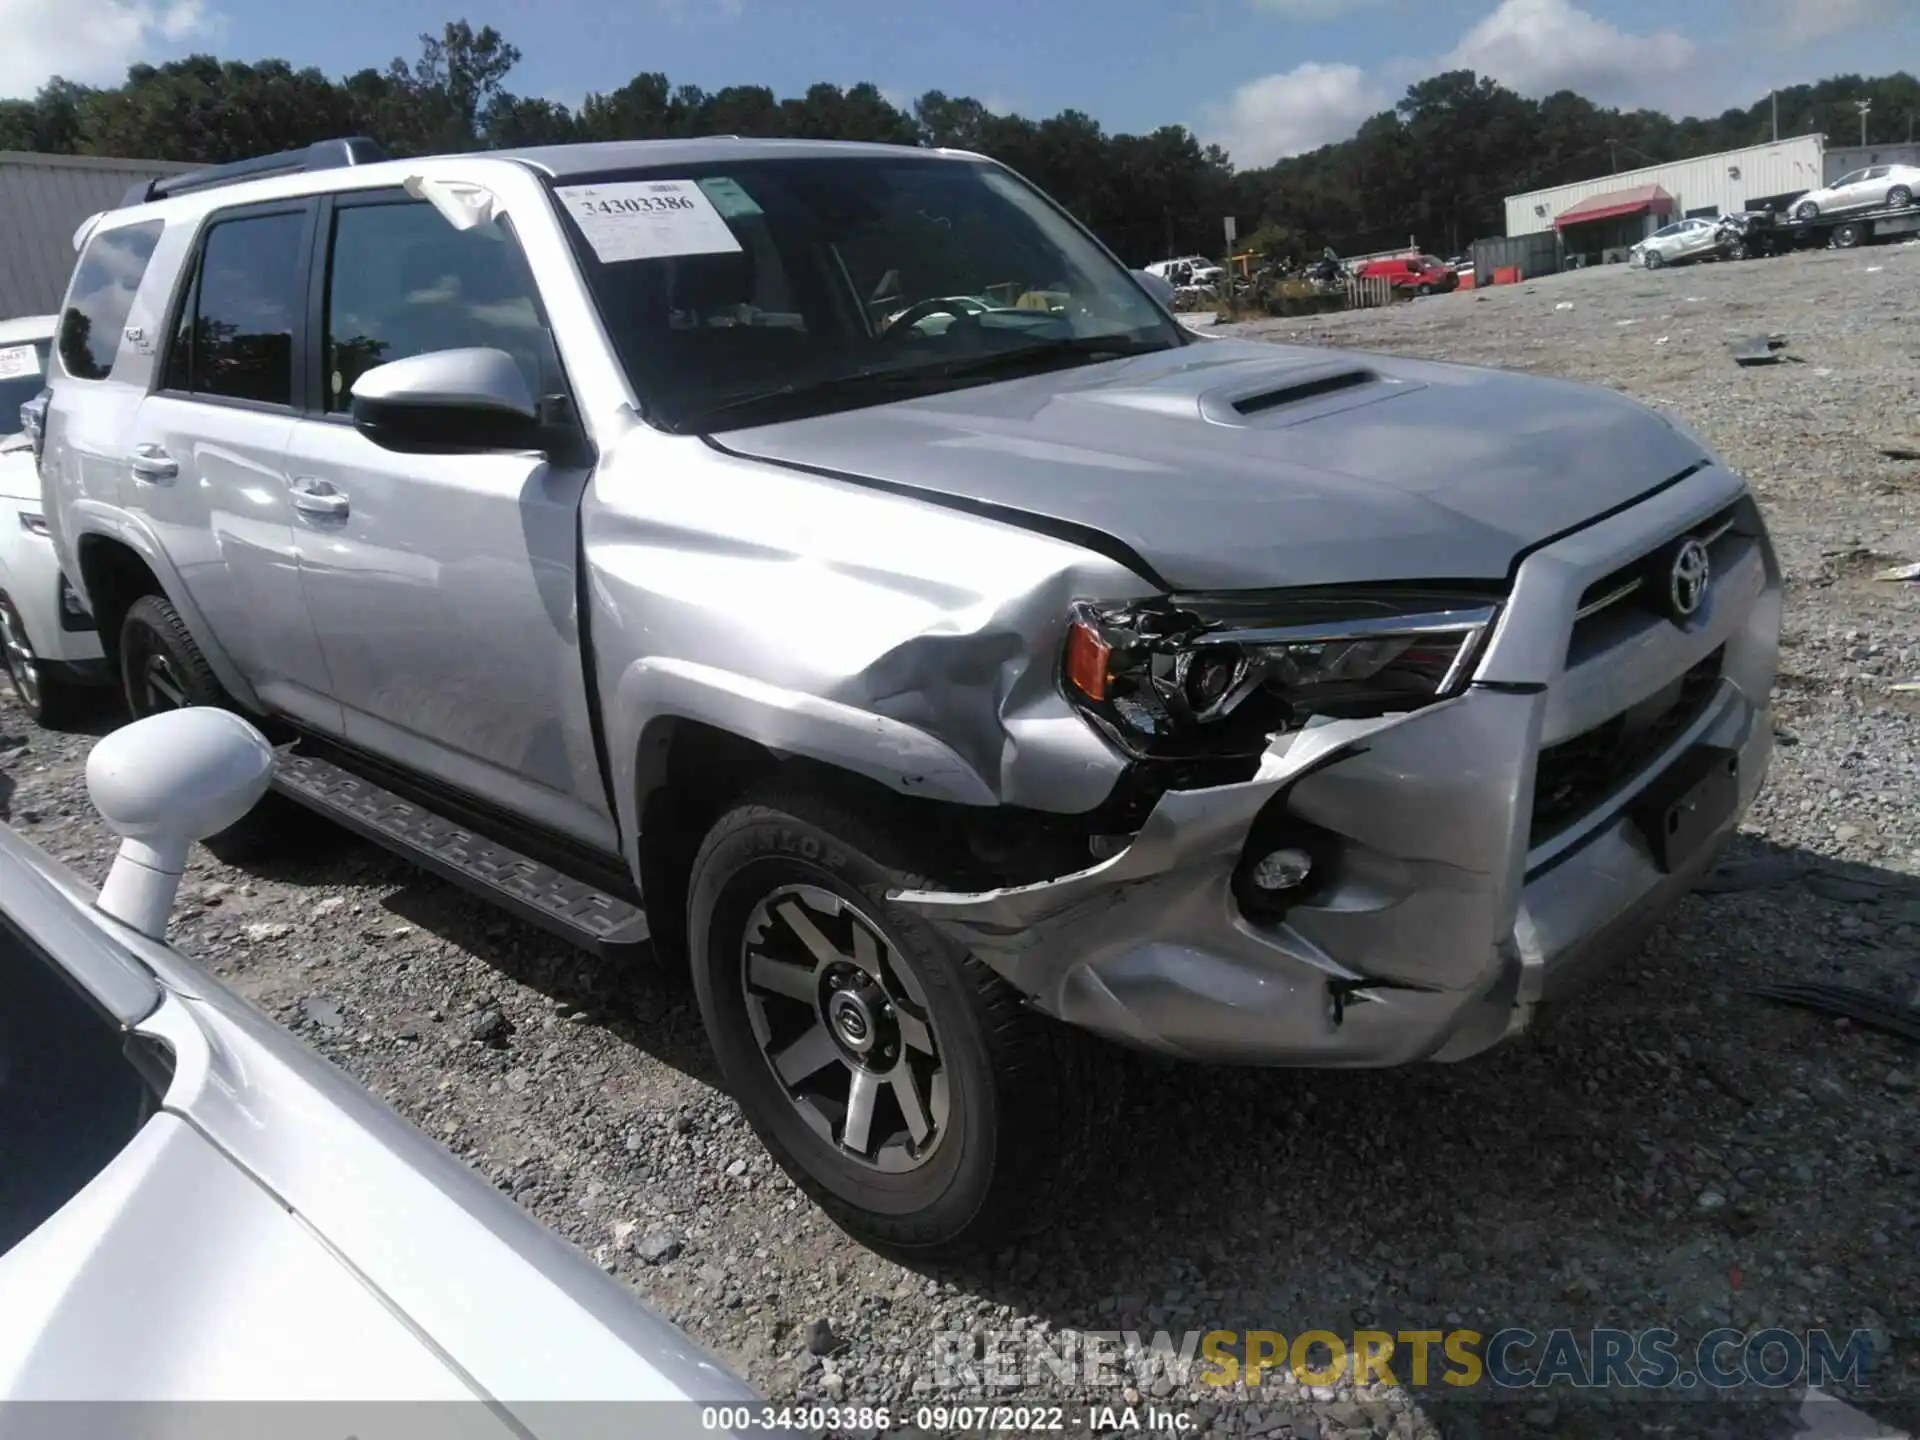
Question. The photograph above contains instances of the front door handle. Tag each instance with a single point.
(321, 499)
(151, 465)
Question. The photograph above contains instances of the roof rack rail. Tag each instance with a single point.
(321, 155)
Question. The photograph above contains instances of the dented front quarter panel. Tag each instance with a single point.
(887, 636)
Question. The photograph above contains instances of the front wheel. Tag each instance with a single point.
(48, 698)
(1655, 260)
(1805, 210)
(901, 1083)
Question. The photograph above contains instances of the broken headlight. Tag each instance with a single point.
(1218, 676)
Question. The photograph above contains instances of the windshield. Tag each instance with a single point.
(734, 291)
(23, 371)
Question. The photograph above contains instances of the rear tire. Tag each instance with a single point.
(1011, 1106)
(162, 668)
(1900, 195)
(1846, 237)
(49, 699)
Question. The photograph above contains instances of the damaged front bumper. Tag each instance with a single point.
(1457, 886)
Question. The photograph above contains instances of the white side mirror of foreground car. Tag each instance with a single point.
(162, 783)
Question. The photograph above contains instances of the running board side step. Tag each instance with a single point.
(543, 896)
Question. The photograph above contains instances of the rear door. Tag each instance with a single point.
(444, 587)
(207, 452)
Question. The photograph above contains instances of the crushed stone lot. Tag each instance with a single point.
(1677, 1152)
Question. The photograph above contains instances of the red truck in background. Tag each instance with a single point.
(1418, 274)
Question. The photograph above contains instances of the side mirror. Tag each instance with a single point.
(447, 400)
(1160, 288)
(162, 783)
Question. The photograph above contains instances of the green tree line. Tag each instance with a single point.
(1435, 167)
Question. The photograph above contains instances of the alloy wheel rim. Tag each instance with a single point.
(22, 664)
(160, 686)
(841, 1022)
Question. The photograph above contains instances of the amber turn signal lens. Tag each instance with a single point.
(1087, 656)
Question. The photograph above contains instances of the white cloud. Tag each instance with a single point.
(1302, 109)
(1539, 46)
(90, 41)
(1313, 10)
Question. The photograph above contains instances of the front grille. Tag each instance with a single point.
(1643, 581)
(1578, 775)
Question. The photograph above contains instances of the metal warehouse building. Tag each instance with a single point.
(1615, 211)
(43, 199)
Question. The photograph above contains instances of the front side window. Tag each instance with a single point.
(23, 374)
(735, 290)
(1851, 178)
(403, 282)
(104, 284)
(234, 339)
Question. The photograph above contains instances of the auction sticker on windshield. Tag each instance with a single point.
(17, 361)
(648, 220)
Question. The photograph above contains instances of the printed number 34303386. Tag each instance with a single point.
(637, 205)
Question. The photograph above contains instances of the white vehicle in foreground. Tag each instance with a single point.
(1863, 189)
(195, 1207)
(48, 644)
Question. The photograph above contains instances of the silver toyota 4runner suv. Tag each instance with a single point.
(829, 563)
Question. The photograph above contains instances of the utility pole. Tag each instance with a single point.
(1863, 106)
(1613, 155)
(1776, 115)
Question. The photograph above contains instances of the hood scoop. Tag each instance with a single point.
(1299, 394)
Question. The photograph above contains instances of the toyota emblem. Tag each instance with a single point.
(1687, 583)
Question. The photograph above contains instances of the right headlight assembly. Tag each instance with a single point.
(1216, 676)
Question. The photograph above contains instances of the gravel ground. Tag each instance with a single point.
(1677, 1152)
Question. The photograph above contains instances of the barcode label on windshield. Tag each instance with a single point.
(648, 219)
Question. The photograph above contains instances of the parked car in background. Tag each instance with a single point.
(951, 703)
(1866, 188)
(48, 645)
(1412, 274)
(1188, 270)
(1680, 243)
(196, 1207)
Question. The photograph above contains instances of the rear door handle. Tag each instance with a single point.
(319, 498)
(152, 465)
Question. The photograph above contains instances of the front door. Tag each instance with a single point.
(207, 451)
(444, 587)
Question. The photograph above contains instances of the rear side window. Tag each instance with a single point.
(234, 337)
(403, 282)
(104, 285)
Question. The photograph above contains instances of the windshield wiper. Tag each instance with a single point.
(1050, 352)
(872, 384)
(860, 383)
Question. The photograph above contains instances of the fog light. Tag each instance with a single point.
(1282, 869)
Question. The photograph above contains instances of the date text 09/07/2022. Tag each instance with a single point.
(940, 1419)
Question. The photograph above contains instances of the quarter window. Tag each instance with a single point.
(404, 282)
(235, 334)
(104, 284)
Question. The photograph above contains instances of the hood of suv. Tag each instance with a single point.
(1227, 465)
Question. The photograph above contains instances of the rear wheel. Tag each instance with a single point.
(900, 1082)
(1848, 236)
(162, 668)
(1900, 195)
(48, 698)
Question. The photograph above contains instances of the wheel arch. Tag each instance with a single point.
(119, 561)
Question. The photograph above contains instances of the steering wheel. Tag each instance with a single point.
(904, 322)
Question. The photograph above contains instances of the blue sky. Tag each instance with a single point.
(1263, 77)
